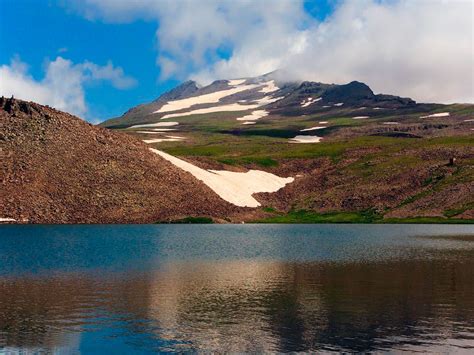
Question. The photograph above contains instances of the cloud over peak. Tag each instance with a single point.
(422, 49)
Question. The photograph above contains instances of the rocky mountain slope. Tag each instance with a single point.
(56, 168)
(264, 92)
(354, 155)
(243, 150)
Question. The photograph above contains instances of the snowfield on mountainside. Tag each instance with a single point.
(234, 187)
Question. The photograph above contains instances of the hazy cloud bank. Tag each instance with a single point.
(422, 49)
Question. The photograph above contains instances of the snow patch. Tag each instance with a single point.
(267, 100)
(249, 122)
(339, 104)
(312, 128)
(158, 124)
(470, 120)
(309, 101)
(305, 139)
(166, 139)
(269, 87)
(148, 132)
(223, 108)
(323, 122)
(211, 98)
(7, 219)
(441, 114)
(233, 187)
(359, 117)
(390, 123)
(226, 108)
(235, 82)
(255, 115)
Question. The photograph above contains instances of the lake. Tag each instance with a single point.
(252, 288)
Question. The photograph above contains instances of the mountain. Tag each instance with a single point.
(353, 155)
(242, 150)
(56, 168)
(266, 91)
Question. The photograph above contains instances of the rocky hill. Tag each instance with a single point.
(56, 168)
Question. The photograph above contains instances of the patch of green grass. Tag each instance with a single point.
(235, 149)
(433, 179)
(376, 165)
(204, 137)
(204, 151)
(429, 220)
(456, 211)
(462, 174)
(228, 161)
(261, 161)
(265, 162)
(414, 197)
(276, 133)
(303, 216)
(453, 212)
(368, 216)
(269, 209)
(193, 220)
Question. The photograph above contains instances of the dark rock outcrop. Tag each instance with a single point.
(350, 93)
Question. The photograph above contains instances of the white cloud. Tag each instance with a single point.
(107, 72)
(422, 49)
(190, 33)
(63, 84)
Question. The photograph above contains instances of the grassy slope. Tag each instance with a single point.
(221, 139)
(367, 216)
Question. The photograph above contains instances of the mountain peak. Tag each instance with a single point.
(187, 88)
(354, 91)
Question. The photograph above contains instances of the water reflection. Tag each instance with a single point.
(246, 305)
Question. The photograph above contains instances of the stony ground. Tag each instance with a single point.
(56, 168)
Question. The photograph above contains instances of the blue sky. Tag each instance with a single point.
(47, 30)
(153, 45)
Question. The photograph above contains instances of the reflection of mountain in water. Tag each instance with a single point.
(250, 306)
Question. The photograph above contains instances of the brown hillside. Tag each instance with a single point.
(57, 168)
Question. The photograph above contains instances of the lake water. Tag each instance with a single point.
(142, 289)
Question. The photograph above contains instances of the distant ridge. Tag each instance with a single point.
(287, 97)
